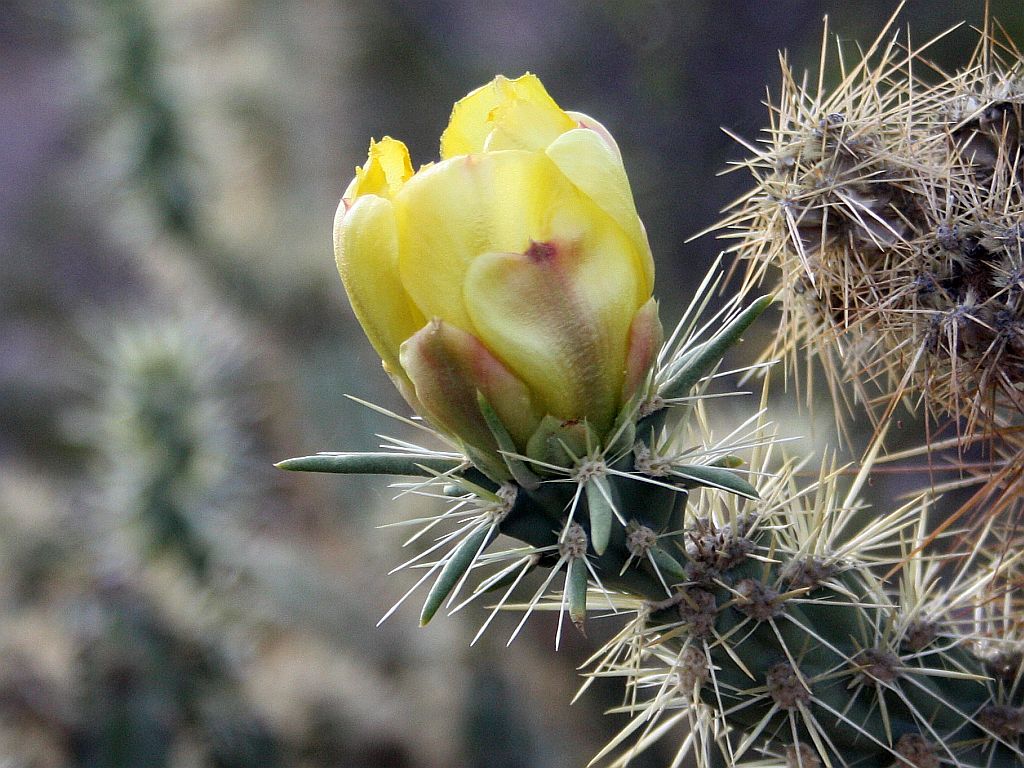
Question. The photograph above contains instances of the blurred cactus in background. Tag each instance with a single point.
(171, 435)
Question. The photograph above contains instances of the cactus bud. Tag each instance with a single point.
(516, 266)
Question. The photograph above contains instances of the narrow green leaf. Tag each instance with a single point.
(459, 562)
(576, 591)
(667, 565)
(714, 477)
(520, 472)
(415, 464)
(488, 462)
(372, 464)
(701, 360)
(601, 509)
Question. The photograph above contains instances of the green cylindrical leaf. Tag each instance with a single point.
(459, 562)
(372, 464)
(667, 565)
(602, 510)
(576, 591)
(520, 472)
(389, 463)
(729, 462)
(714, 477)
(702, 359)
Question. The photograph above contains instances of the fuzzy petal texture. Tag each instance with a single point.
(461, 208)
(559, 316)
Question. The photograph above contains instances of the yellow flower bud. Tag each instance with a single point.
(515, 268)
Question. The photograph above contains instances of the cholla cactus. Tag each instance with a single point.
(782, 619)
(891, 208)
(794, 643)
(763, 621)
(169, 435)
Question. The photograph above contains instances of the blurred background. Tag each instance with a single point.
(172, 323)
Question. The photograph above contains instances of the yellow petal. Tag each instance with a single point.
(596, 169)
(559, 315)
(504, 114)
(530, 122)
(387, 168)
(586, 121)
(366, 250)
(460, 208)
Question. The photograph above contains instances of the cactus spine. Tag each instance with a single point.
(889, 209)
(787, 624)
(763, 616)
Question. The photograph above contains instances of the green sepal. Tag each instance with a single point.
(576, 591)
(667, 565)
(701, 360)
(459, 562)
(517, 467)
(601, 506)
(560, 443)
(714, 477)
(489, 463)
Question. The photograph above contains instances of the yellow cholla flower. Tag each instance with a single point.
(515, 269)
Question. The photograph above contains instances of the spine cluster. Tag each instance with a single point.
(790, 644)
(891, 210)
